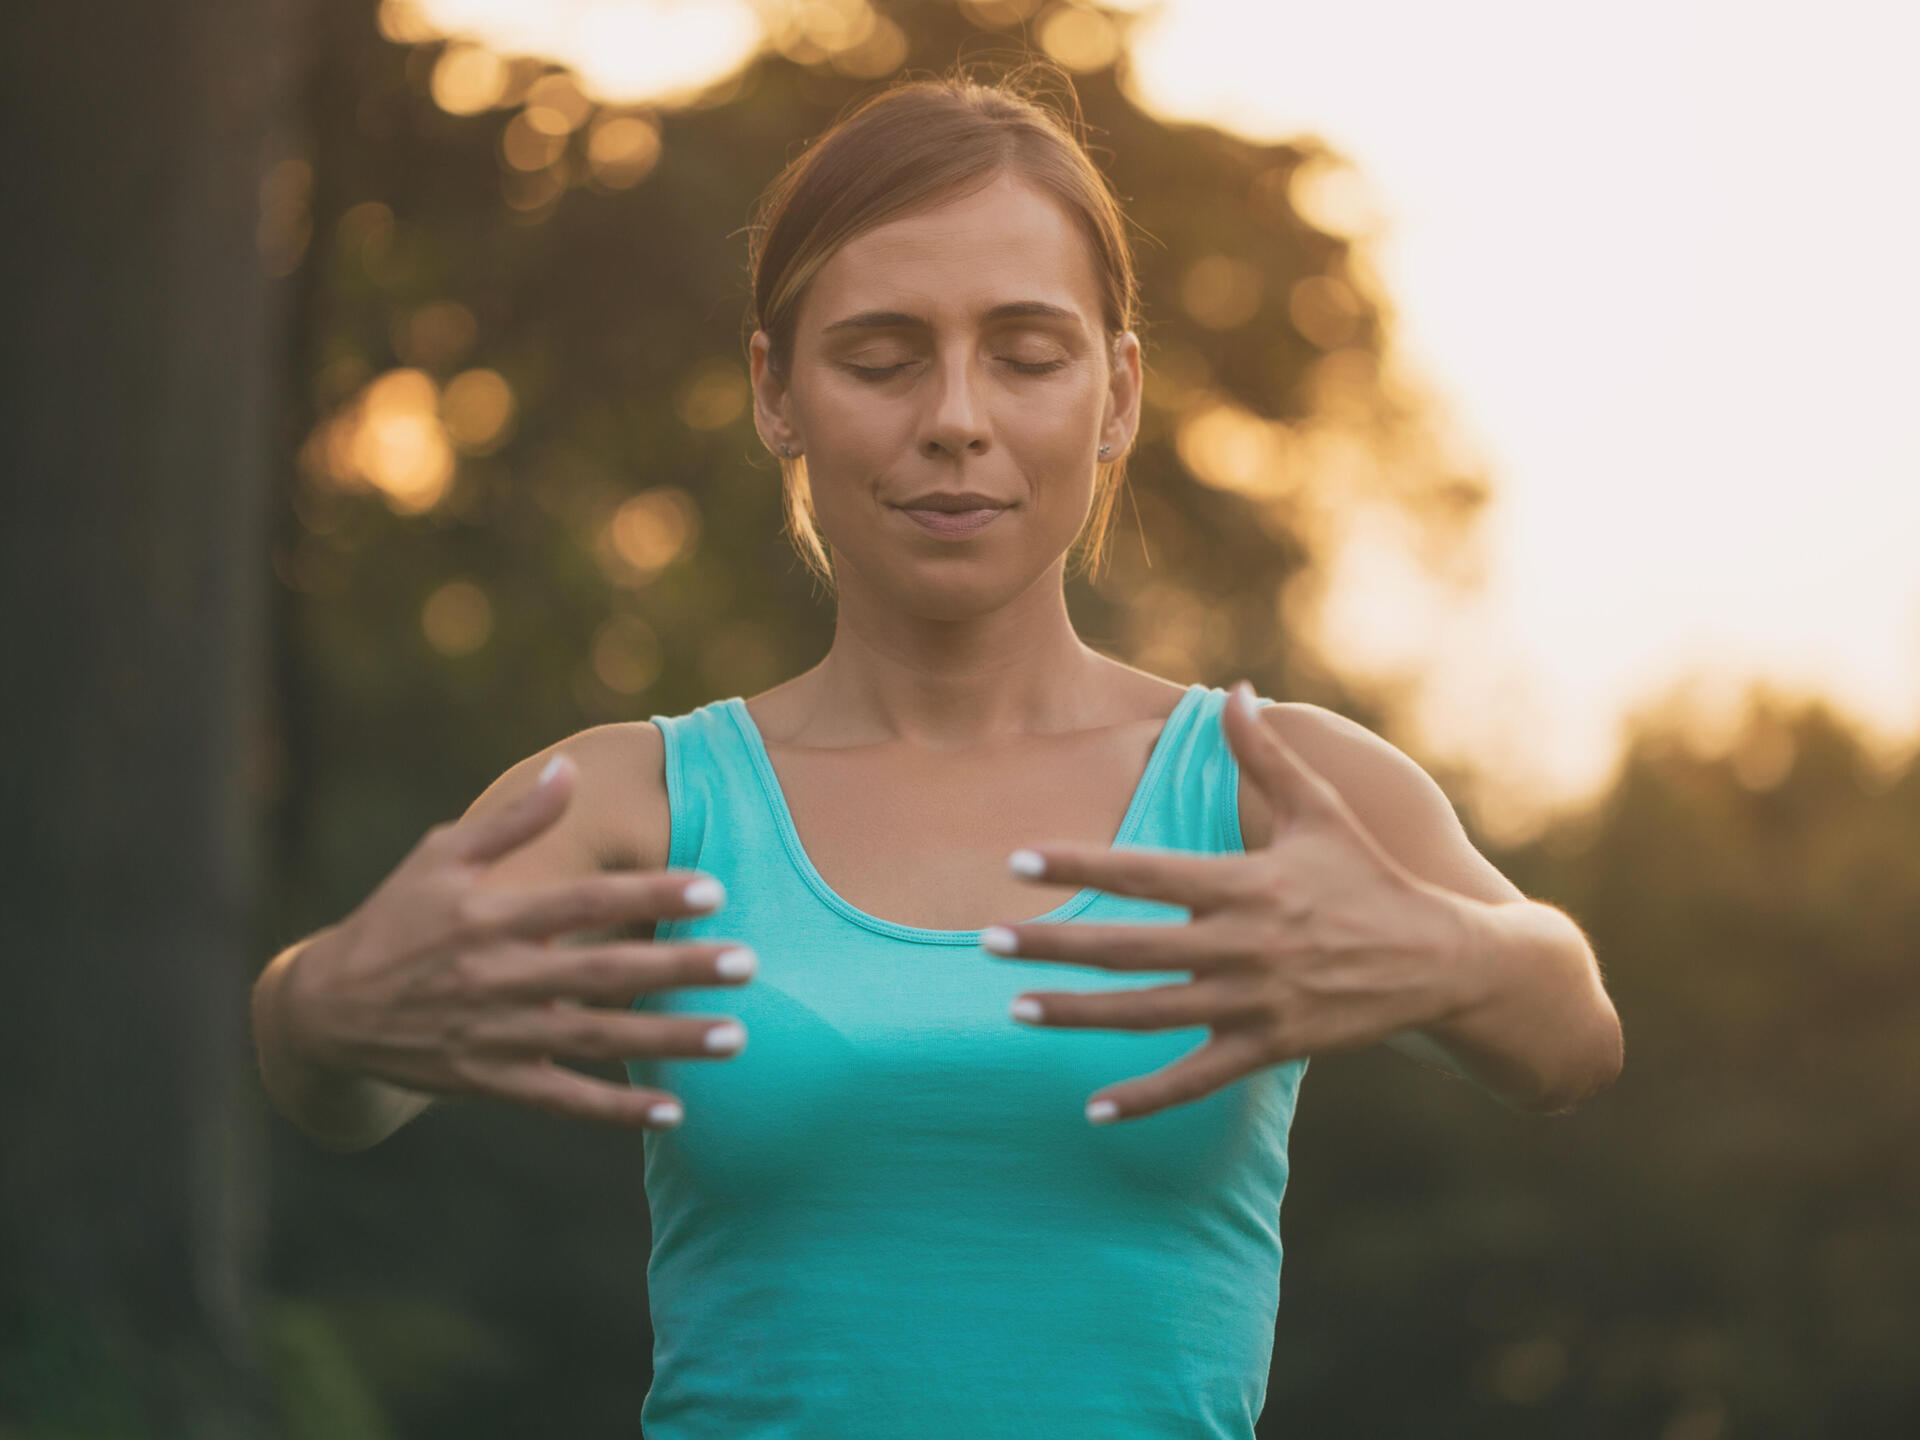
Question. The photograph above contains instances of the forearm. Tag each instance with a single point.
(338, 1111)
(1536, 1027)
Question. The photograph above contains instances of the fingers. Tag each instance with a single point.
(1214, 1001)
(1223, 1059)
(1295, 788)
(540, 911)
(582, 1033)
(554, 1088)
(611, 972)
(1179, 877)
(1193, 947)
(480, 838)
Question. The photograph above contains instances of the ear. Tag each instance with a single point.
(1121, 418)
(772, 400)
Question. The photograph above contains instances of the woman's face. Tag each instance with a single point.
(958, 350)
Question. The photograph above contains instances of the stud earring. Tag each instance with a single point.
(1105, 450)
(786, 452)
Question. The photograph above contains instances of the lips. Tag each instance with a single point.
(953, 524)
(953, 501)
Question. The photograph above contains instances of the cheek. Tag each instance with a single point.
(1054, 435)
(1060, 418)
(851, 431)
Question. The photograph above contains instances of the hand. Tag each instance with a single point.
(1319, 942)
(440, 984)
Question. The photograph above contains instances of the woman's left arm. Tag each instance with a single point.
(1360, 913)
(1537, 1029)
(1543, 1035)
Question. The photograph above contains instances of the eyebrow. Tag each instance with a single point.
(900, 320)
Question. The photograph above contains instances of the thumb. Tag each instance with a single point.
(495, 825)
(1295, 789)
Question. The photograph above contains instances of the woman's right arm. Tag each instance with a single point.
(338, 1110)
(448, 980)
(345, 1111)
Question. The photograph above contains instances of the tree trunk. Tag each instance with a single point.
(140, 378)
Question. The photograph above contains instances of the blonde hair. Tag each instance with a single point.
(905, 148)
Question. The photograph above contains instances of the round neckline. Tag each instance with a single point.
(1130, 824)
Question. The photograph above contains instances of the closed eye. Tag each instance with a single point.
(1025, 367)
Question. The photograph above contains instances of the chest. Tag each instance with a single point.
(924, 841)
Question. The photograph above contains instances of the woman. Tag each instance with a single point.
(889, 1215)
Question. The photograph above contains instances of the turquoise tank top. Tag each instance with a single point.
(888, 1215)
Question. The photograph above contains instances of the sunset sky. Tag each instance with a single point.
(1660, 259)
(1656, 261)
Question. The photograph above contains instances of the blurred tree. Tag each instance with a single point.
(1725, 1243)
(135, 424)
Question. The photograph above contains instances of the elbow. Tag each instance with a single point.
(1599, 1066)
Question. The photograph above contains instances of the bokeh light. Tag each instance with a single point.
(882, 51)
(998, 14)
(1221, 292)
(555, 105)
(532, 194)
(396, 442)
(714, 395)
(1081, 39)
(646, 533)
(388, 439)
(626, 654)
(526, 146)
(436, 334)
(457, 618)
(1331, 195)
(618, 51)
(467, 79)
(477, 410)
(1230, 448)
(1325, 310)
(621, 149)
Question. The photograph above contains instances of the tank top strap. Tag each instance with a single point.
(1196, 805)
(718, 817)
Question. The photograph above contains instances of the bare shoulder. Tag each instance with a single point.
(616, 818)
(1360, 764)
(1390, 794)
(623, 779)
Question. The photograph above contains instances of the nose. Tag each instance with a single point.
(956, 423)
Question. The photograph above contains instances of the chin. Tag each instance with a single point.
(944, 588)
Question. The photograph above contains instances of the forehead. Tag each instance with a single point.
(1005, 241)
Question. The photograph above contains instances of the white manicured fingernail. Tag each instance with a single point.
(1027, 862)
(736, 964)
(706, 893)
(552, 769)
(665, 1113)
(730, 1036)
(1243, 697)
(1101, 1111)
(1025, 1008)
(999, 939)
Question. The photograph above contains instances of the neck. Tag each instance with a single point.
(952, 683)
